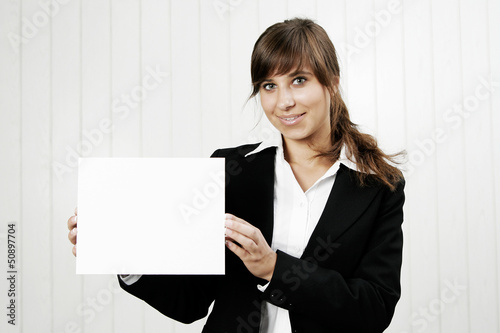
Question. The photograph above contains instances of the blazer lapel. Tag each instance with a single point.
(253, 196)
(263, 180)
(346, 203)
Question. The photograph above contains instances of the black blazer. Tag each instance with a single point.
(347, 280)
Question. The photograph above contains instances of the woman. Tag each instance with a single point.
(313, 229)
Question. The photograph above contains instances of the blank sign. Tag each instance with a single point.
(150, 216)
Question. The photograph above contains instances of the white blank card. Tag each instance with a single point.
(150, 216)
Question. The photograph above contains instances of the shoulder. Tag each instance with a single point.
(236, 152)
(370, 181)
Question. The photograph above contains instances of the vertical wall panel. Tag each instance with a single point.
(10, 148)
(155, 55)
(483, 292)
(494, 55)
(126, 77)
(244, 30)
(389, 76)
(361, 33)
(421, 176)
(36, 150)
(186, 84)
(95, 310)
(215, 78)
(448, 143)
(66, 103)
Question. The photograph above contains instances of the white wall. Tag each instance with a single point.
(416, 74)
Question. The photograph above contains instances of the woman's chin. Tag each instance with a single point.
(294, 135)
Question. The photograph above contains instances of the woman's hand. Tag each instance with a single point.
(72, 230)
(254, 251)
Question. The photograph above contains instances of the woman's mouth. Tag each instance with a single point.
(291, 120)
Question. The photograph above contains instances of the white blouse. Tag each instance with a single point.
(296, 214)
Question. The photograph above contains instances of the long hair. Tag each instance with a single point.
(296, 43)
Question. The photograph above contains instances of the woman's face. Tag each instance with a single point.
(298, 105)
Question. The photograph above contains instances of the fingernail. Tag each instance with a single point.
(228, 232)
(229, 223)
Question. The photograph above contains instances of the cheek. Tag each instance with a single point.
(314, 99)
(322, 100)
(267, 102)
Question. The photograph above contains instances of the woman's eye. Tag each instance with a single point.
(299, 80)
(268, 86)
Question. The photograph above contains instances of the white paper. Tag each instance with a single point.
(150, 216)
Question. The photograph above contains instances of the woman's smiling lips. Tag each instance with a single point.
(291, 119)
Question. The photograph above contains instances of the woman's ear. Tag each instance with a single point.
(336, 82)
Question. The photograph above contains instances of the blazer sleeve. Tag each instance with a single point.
(185, 298)
(363, 302)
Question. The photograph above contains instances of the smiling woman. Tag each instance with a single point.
(313, 223)
(302, 51)
(297, 105)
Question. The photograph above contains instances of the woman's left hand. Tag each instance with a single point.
(255, 253)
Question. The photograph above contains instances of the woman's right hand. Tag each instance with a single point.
(72, 230)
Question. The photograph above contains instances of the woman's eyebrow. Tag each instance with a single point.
(299, 73)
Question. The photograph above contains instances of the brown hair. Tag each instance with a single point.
(292, 45)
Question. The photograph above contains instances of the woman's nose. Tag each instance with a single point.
(286, 100)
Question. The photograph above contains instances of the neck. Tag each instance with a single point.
(303, 152)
